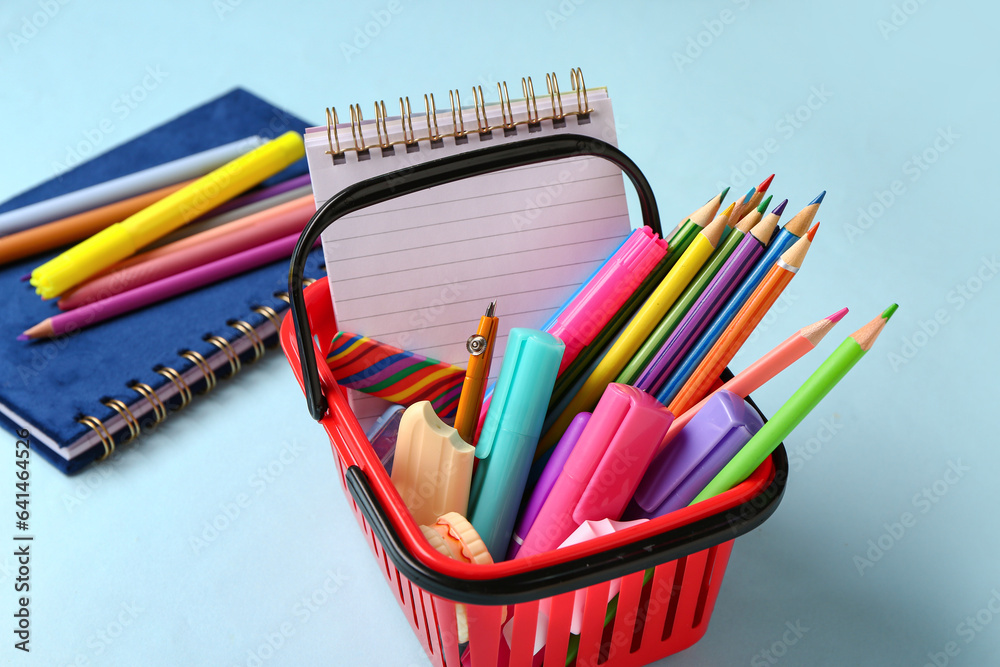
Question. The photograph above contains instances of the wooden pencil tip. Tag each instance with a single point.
(766, 183)
(729, 209)
(837, 316)
(887, 313)
(812, 232)
(23, 337)
(749, 195)
(819, 199)
(722, 195)
(764, 204)
(780, 208)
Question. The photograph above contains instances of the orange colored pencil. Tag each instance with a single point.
(193, 251)
(746, 320)
(77, 227)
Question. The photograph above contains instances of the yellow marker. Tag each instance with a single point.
(642, 324)
(140, 229)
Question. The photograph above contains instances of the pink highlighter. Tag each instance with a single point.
(604, 468)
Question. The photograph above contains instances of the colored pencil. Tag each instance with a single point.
(161, 290)
(637, 330)
(684, 302)
(756, 374)
(801, 403)
(746, 320)
(781, 242)
(761, 191)
(211, 220)
(742, 207)
(76, 227)
(686, 333)
(702, 215)
(117, 189)
(255, 230)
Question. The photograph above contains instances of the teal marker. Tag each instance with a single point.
(510, 433)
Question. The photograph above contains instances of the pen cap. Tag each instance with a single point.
(642, 423)
(695, 455)
(522, 392)
(432, 469)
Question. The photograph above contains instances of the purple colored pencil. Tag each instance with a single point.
(157, 291)
(701, 313)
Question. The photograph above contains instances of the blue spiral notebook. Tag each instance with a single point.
(83, 395)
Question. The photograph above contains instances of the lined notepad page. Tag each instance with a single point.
(418, 272)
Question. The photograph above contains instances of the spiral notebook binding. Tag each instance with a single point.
(126, 424)
(508, 123)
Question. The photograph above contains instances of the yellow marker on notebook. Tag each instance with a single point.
(638, 329)
(140, 229)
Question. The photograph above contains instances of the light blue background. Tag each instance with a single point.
(115, 543)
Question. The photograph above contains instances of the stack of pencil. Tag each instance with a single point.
(193, 219)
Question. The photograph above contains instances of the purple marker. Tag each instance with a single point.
(547, 480)
(721, 287)
(695, 456)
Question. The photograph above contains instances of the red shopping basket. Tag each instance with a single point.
(685, 551)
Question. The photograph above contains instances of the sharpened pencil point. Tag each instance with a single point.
(812, 232)
(722, 195)
(819, 198)
(780, 208)
(766, 183)
(749, 195)
(23, 337)
(837, 316)
(887, 313)
(764, 204)
(729, 209)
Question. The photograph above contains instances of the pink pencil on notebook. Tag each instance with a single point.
(259, 228)
(160, 290)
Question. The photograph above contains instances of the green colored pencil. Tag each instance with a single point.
(812, 391)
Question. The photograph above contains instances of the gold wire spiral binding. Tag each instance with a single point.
(235, 366)
(251, 333)
(271, 314)
(203, 365)
(306, 282)
(458, 130)
(143, 389)
(356, 123)
(133, 424)
(552, 83)
(576, 81)
(183, 390)
(430, 110)
(331, 132)
(102, 432)
(530, 103)
(283, 296)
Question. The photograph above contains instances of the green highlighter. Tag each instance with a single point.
(510, 434)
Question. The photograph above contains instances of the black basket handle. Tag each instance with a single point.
(429, 174)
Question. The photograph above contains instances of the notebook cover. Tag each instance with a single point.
(51, 383)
